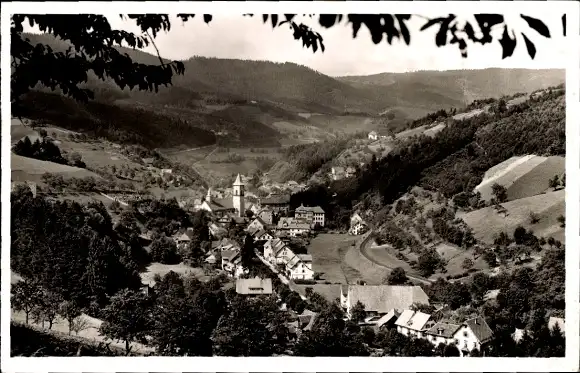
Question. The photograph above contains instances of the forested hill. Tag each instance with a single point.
(453, 161)
(463, 85)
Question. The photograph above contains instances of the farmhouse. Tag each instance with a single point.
(373, 135)
(276, 203)
(29, 184)
(232, 263)
(473, 334)
(225, 206)
(254, 286)
(314, 215)
(357, 225)
(183, 239)
(388, 320)
(262, 236)
(413, 323)
(442, 332)
(380, 299)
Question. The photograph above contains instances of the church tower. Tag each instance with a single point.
(208, 196)
(238, 197)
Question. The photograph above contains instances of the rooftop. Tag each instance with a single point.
(446, 330)
(480, 329)
(314, 209)
(254, 286)
(383, 298)
(414, 320)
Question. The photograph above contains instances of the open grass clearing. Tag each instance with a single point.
(487, 222)
(327, 252)
(163, 269)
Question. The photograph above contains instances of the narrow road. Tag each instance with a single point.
(363, 249)
(282, 278)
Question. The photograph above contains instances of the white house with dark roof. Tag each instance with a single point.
(473, 334)
(380, 299)
(314, 215)
(254, 286)
(373, 135)
(387, 320)
(267, 216)
(257, 224)
(442, 332)
(300, 267)
(357, 225)
(277, 252)
(413, 323)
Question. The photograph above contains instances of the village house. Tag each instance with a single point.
(262, 236)
(300, 267)
(232, 263)
(314, 215)
(380, 299)
(387, 321)
(301, 323)
(373, 135)
(226, 244)
(413, 323)
(254, 286)
(442, 332)
(184, 238)
(277, 252)
(225, 206)
(276, 203)
(357, 225)
(293, 227)
(267, 216)
(473, 334)
(257, 224)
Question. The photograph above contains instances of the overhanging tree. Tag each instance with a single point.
(94, 45)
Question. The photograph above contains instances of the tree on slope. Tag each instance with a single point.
(26, 296)
(126, 317)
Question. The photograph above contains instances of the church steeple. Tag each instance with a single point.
(208, 195)
(238, 197)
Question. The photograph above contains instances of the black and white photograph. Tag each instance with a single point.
(258, 182)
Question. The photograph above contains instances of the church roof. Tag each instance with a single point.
(238, 181)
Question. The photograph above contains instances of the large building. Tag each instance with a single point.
(314, 215)
(229, 205)
(276, 203)
(380, 299)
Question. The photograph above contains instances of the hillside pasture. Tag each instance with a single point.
(327, 252)
(487, 222)
(523, 176)
(163, 269)
(30, 169)
(329, 291)
(346, 124)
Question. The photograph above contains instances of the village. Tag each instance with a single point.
(396, 307)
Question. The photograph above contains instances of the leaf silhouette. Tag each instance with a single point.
(327, 20)
(537, 25)
(274, 19)
(530, 46)
(356, 22)
(564, 24)
(401, 18)
(207, 18)
(508, 44)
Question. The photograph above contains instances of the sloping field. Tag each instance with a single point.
(434, 130)
(469, 114)
(327, 252)
(31, 169)
(487, 222)
(523, 176)
(329, 291)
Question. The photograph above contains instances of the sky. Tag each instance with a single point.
(230, 36)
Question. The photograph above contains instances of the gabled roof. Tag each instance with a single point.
(229, 254)
(183, 237)
(254, 286)
(446, 330)
(293, 262)
(373, 133)
(392, 314)
(480, 329)
(383, 298)
(220, 204)
(414, 320)
(238, 181)
(314, 209)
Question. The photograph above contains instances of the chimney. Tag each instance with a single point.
(439, 331)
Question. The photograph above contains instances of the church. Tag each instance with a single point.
(226, 206)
